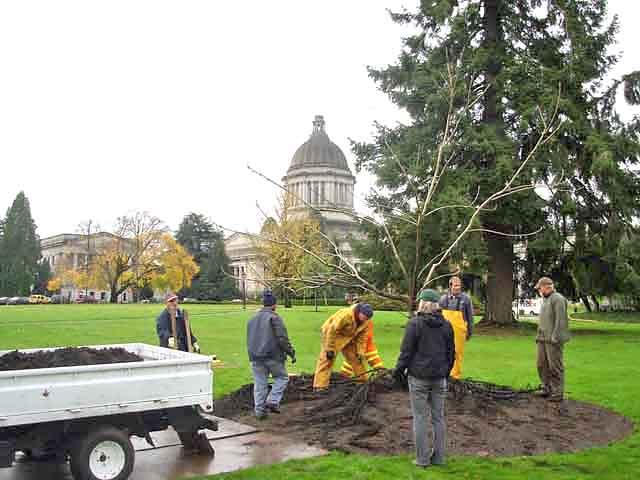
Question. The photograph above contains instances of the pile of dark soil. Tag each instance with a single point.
(65, 357)
(482, 419)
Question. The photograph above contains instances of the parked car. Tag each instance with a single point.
(18, 301)
(527, 306)
(39, 299)
(57, 298)
(86, 299)
(4, 300)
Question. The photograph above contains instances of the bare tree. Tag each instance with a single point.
(340, 267)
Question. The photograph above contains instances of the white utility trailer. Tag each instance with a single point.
(88, 413)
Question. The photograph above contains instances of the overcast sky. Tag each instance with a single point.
(112, 107)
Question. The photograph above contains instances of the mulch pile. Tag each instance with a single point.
(65, 357)
(482, 419)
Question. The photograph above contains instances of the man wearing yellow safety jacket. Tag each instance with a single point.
(373, 358)
(457, 309)
(345, 331)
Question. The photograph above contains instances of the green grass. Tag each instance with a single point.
(615, 317)
(601, 362)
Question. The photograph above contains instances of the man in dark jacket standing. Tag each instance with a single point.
(427, 353)
(173, 329)
(268, 346)
(553, 333)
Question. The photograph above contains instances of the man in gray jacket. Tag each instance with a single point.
(553, 333)
(268, 346)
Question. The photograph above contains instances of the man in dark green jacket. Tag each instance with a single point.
(553, 333)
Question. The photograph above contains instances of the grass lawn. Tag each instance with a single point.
(615, 317)
(601, 362)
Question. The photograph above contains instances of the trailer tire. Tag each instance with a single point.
(105, 453)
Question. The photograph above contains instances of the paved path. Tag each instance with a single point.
(237, 447)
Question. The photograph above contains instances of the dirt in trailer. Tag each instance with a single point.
(482, 419)
(65, 357)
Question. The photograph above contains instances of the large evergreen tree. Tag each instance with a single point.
(206, 243)
(519, 56)
(19, 249)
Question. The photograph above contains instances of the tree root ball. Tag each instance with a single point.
(482, 419)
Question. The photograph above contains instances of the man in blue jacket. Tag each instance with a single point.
(427, 353)
(175, 333)
(268, 346)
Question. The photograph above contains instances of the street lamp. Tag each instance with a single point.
(243, 275)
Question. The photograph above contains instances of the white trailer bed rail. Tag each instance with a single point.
(165, 379)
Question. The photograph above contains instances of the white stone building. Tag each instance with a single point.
(75, 251)
(318, 175)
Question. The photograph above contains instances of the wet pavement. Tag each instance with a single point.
(237, 447)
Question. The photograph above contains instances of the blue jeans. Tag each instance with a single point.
(428, 394)
(261, 370)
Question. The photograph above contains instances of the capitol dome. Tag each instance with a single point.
(319, 151)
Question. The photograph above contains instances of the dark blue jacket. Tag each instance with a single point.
(428, 350)
(267, 337)
(163, 327)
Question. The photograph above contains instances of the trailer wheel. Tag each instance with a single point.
(105, 453)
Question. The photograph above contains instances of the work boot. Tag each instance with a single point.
(563, 409)
(261, 415)
(272, 407)
(545, 393)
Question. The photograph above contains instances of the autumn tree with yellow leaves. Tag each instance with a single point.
(286, 264)
(139, 253)
(176, 266)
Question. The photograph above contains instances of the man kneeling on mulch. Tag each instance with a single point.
(428, 353)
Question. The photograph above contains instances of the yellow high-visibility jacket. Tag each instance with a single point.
(373, 357)
(341, 328)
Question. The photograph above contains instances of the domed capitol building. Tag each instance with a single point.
(318, 175)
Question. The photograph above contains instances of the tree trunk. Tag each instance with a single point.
(114, 295)
(499, 248)
(499, 281)
(595, 301)
(585, 301)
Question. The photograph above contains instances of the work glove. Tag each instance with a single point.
(331, 354)
(400, 378)
(172, 342)
(196, 347)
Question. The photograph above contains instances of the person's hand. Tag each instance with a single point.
(293, 356)
(361, 358)
(172, 342)
(468, 336)
(196, 347)
(554, 339)
(399, 375)
(331, 354)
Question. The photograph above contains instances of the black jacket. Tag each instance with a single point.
(163, 328)
(427, 349)
(267, 337)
